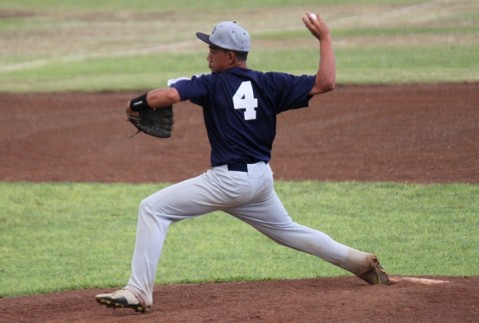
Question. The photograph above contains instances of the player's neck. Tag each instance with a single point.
(240, 64)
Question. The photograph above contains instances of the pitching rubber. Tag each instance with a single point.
(424, 281)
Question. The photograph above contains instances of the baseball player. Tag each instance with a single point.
(239, 107)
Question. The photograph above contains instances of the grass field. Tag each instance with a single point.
(59, 236)
(94, 45)
(70, 236)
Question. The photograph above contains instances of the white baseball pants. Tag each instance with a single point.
(250, 197)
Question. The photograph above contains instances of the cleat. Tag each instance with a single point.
(375, 275)
(122, 298)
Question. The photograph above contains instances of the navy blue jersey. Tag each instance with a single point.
(240, 107)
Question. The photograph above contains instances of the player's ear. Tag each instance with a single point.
(231, 56)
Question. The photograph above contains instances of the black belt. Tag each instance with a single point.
(238, 167)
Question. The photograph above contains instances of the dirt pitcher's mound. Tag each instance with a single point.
(345, 299)
(425, 134)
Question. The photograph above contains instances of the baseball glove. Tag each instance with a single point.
(157, 123)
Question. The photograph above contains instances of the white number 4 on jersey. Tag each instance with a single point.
(244, 99)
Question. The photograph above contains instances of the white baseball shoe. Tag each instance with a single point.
(122, 298)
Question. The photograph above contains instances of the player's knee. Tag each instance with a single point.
(146, 207)
(152, 207)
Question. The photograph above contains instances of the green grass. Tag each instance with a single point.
(394, 65)
(175, 4)
(358, 65)
(95, 46)
(67, 236)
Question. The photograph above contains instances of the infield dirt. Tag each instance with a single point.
(403, 133)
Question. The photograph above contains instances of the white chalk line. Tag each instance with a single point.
(81, 57)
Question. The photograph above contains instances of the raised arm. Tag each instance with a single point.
(326, 74)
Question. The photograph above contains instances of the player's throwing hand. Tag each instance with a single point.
(316, 25)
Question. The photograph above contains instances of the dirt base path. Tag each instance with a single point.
(422, 134)
(426, 133)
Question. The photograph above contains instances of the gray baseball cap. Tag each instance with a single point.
(228, 35)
